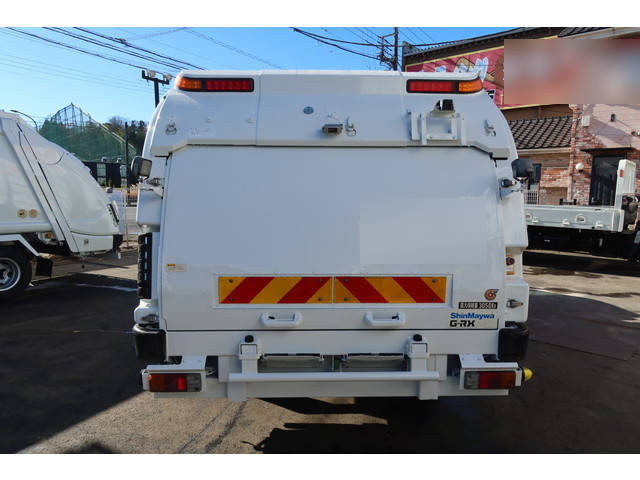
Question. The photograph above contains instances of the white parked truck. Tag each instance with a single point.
(314, 233)
(609, 230)
(49, 203)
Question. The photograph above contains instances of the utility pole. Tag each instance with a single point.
(395, 48)
(126, 151)
(151, 75)
(391, 62)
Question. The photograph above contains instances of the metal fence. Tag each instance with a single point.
(531, 197)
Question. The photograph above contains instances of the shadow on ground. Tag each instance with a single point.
(583, 398)
(581, 265)
(66, 353)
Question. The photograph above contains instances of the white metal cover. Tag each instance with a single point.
(328, 211)
(41, 176)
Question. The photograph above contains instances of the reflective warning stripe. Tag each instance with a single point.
(351, 289)
(270, 290)
(390, 289)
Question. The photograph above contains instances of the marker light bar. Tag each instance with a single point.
(215, 84)
(175, 382)
(490, 380)
(444, 86)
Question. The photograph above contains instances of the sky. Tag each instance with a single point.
(39, 78)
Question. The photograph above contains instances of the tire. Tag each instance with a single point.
(15, 272)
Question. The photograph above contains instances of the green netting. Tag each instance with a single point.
(75, 131)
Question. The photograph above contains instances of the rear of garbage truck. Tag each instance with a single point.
(330, 234)
(49, 203)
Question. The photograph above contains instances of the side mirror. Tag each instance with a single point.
(522, 168)
(140, 168)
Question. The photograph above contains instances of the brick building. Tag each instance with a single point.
(575, 147)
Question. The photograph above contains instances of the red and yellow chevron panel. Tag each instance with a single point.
(271, 290)
(350, 289)
(390, 289)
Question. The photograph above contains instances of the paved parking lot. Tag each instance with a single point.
(71, 382)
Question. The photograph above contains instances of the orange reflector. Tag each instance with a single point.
(175, 382)
(470, 86)
(184, 83)
(490, 380)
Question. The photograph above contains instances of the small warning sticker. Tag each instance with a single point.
(176, 267)
(477, 305)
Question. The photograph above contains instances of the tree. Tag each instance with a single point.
(137, 130)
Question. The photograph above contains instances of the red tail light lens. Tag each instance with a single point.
(490, 380)
(444, 86)
(215, 84)
(430, 86)
(229, 85)
(175, 382)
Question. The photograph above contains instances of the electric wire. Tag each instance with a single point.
(314, 37)
(127, 44)
(231, 47)
(173, 47)
(71, 70)
(172, 65)
(156, 34)
(79, 49)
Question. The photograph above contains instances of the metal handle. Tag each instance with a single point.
(271, 321)
(396, 320)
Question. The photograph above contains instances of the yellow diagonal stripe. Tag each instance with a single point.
(275, 290)
(438, 285)
(226, 285)
(390, 290)
(323, 295)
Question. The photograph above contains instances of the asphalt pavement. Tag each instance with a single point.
(71, 379)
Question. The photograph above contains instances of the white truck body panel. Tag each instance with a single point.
(602, 218)
(43, 188)
(248, 185)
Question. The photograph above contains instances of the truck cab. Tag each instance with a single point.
(330, 233)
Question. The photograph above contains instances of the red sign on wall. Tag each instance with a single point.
(488, 63)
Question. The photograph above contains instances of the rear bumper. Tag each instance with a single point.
(428, 372)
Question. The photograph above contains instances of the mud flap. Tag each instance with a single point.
(44, 267)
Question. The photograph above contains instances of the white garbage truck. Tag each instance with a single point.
(330, 233)
(49, 203)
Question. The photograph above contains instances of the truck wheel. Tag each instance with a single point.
(15, 272)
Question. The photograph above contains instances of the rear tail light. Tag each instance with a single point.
(430, 86)
(490, 380)
(175, 382)
(444, 86)
(215, 84)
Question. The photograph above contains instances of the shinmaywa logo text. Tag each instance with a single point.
(477, 316)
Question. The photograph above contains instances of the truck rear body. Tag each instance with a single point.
(330, 234)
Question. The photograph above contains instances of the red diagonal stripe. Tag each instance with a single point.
(247, 289)
(362, 289)
(418, 290)
(304, 289)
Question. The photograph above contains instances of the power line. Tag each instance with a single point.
(427, 34)
(181, 49)
(407, 31)
(72, 47)
(127, 44)
(114, 48)
(319, 39)
(392, 45)
(70, 70)
(367, 34)
(157, 34)
(231, 47)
